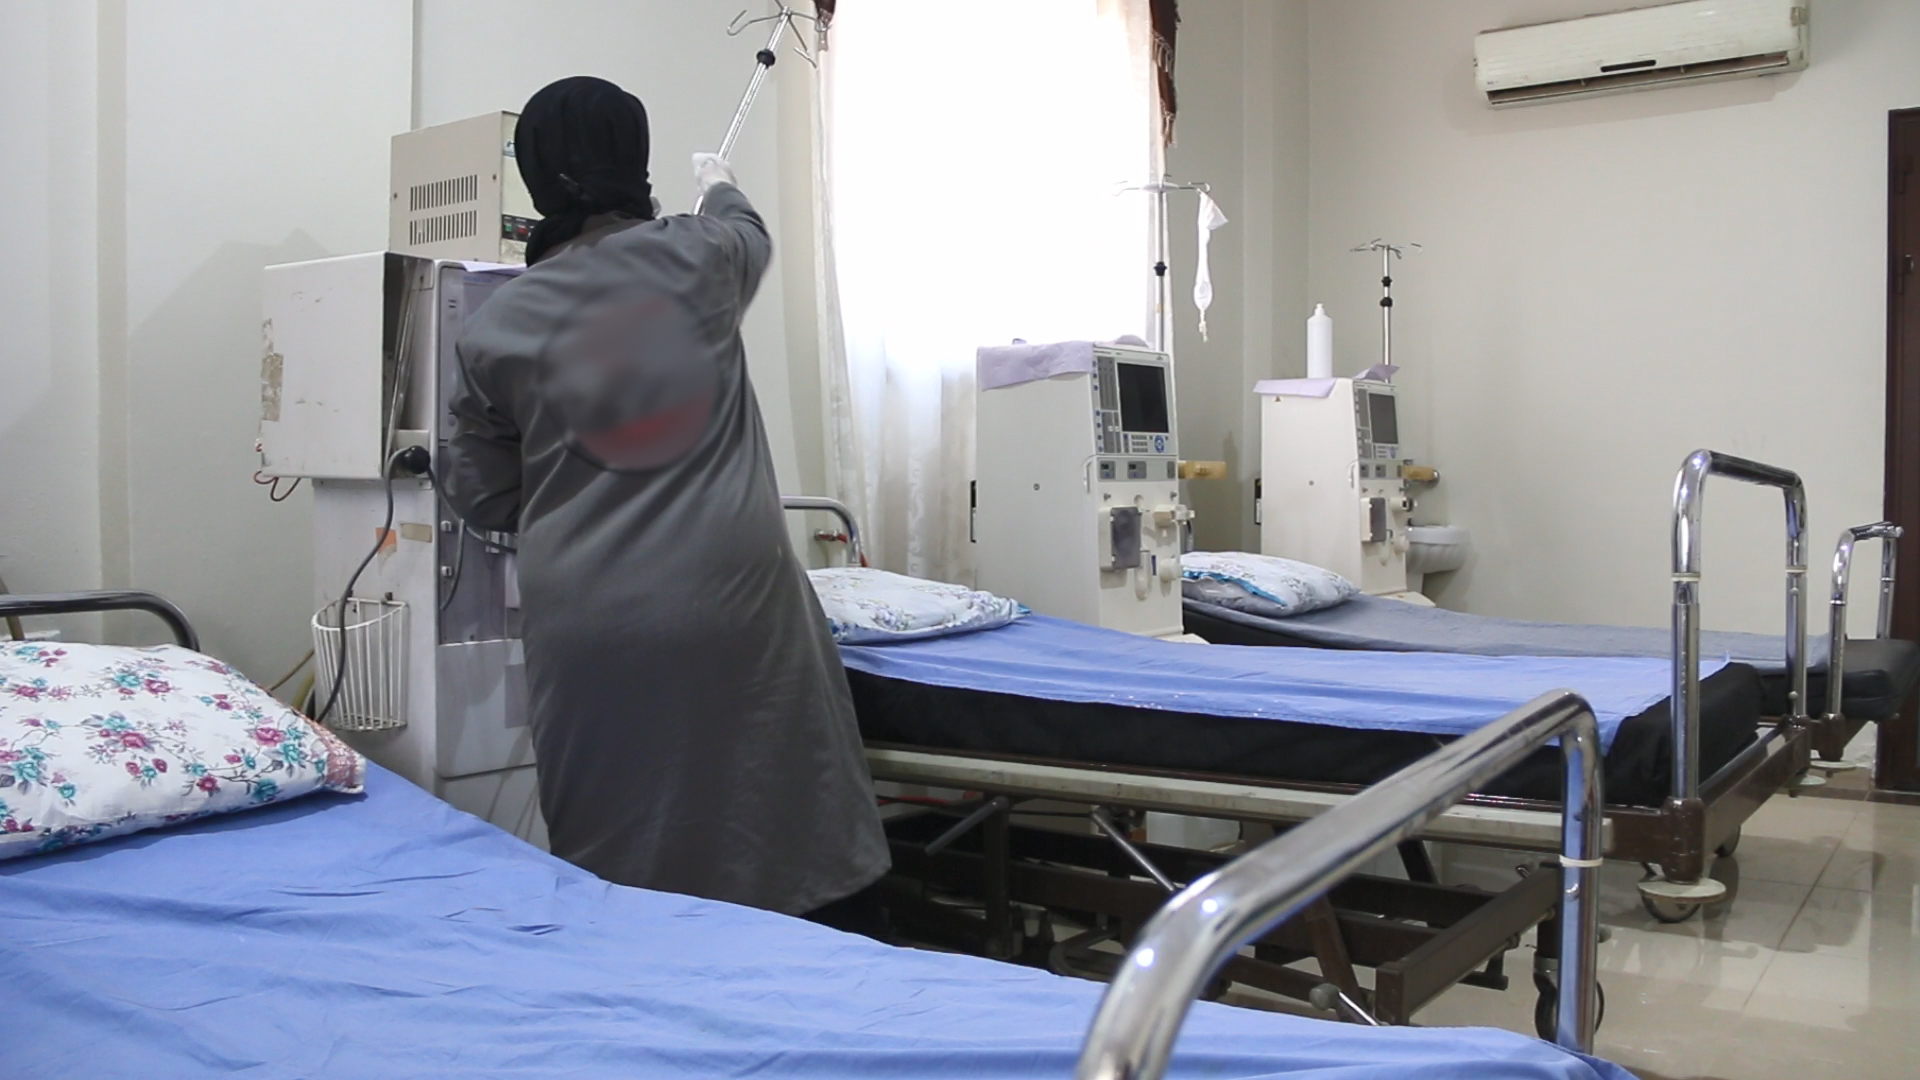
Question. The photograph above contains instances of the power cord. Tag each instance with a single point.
(416, 461)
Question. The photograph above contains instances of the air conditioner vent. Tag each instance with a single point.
(1634, 80)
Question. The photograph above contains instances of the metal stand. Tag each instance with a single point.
(1162, 291)
(763, 62)
(1388, 253)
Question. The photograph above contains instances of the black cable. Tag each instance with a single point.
(380, 541)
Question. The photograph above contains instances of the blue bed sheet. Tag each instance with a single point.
(1056, 660)
(390, 936)
(1373, 622)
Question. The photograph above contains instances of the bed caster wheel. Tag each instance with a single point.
(1668, 911)
(1676, 901)
(1546, 1007)
(1806, 781)
(1729, 846)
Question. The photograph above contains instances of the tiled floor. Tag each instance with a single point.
(1814, 967)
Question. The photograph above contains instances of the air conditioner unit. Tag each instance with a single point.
(1692, 41)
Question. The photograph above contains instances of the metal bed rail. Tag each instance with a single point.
(1197, 931)
(856, 554)
(87, 603)
(1886, 532)
(1688, 495)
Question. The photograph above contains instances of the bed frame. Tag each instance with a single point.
(1677, 841)
(90, 603)
(971, 873)
(1208, 924)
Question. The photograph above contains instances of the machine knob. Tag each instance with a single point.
(1169, 569)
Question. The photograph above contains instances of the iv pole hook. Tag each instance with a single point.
(763, 62)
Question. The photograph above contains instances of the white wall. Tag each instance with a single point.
(1609, 284)
(477, 56)
(1606, 285)
(165, 153)
(1241, 71)
(254, 134)
(49, 432)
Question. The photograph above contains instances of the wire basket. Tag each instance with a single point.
(373, 695)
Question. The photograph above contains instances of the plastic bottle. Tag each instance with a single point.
(1319, 344)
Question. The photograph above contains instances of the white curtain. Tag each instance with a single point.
(973, 159)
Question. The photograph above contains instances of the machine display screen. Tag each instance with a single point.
(1382, 418)
(1143, 398)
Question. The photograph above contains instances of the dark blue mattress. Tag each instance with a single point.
(391, 936)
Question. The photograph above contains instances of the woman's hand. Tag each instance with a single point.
(710, 170)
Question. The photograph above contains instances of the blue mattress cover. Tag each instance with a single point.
(390, 935)
(1373, 622)
(1056, 660)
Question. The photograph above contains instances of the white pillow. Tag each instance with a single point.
(874, 607)
(1262, 584)
(98, 741)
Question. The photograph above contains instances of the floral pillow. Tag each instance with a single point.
(874, 607)
(1264, 585)
(98, 741)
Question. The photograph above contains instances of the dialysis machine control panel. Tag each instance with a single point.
(1133, 425)
(1376, 421)
(1083, 520)
(1333, 486)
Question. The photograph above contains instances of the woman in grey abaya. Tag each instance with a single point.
(691, 722)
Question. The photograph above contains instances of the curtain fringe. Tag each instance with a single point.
(1166, 25)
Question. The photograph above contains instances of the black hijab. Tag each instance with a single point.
(582, 146)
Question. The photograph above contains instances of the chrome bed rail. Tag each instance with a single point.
(1688, 493)
(87, 603)
(1886, 532)
(856, 555)
(1244, 799)
(1197, 931)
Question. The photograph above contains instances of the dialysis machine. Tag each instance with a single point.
(1077, 496)
(359, 357)
(1334, 481)
(358, 362)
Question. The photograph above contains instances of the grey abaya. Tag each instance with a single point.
(692, 724)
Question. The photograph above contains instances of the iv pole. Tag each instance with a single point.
(1388, 253)
(1163, 289)
(763, 62)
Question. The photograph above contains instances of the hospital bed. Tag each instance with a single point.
(1044, 710)
(1877, 673)
(389, 935)
(1682, 780)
